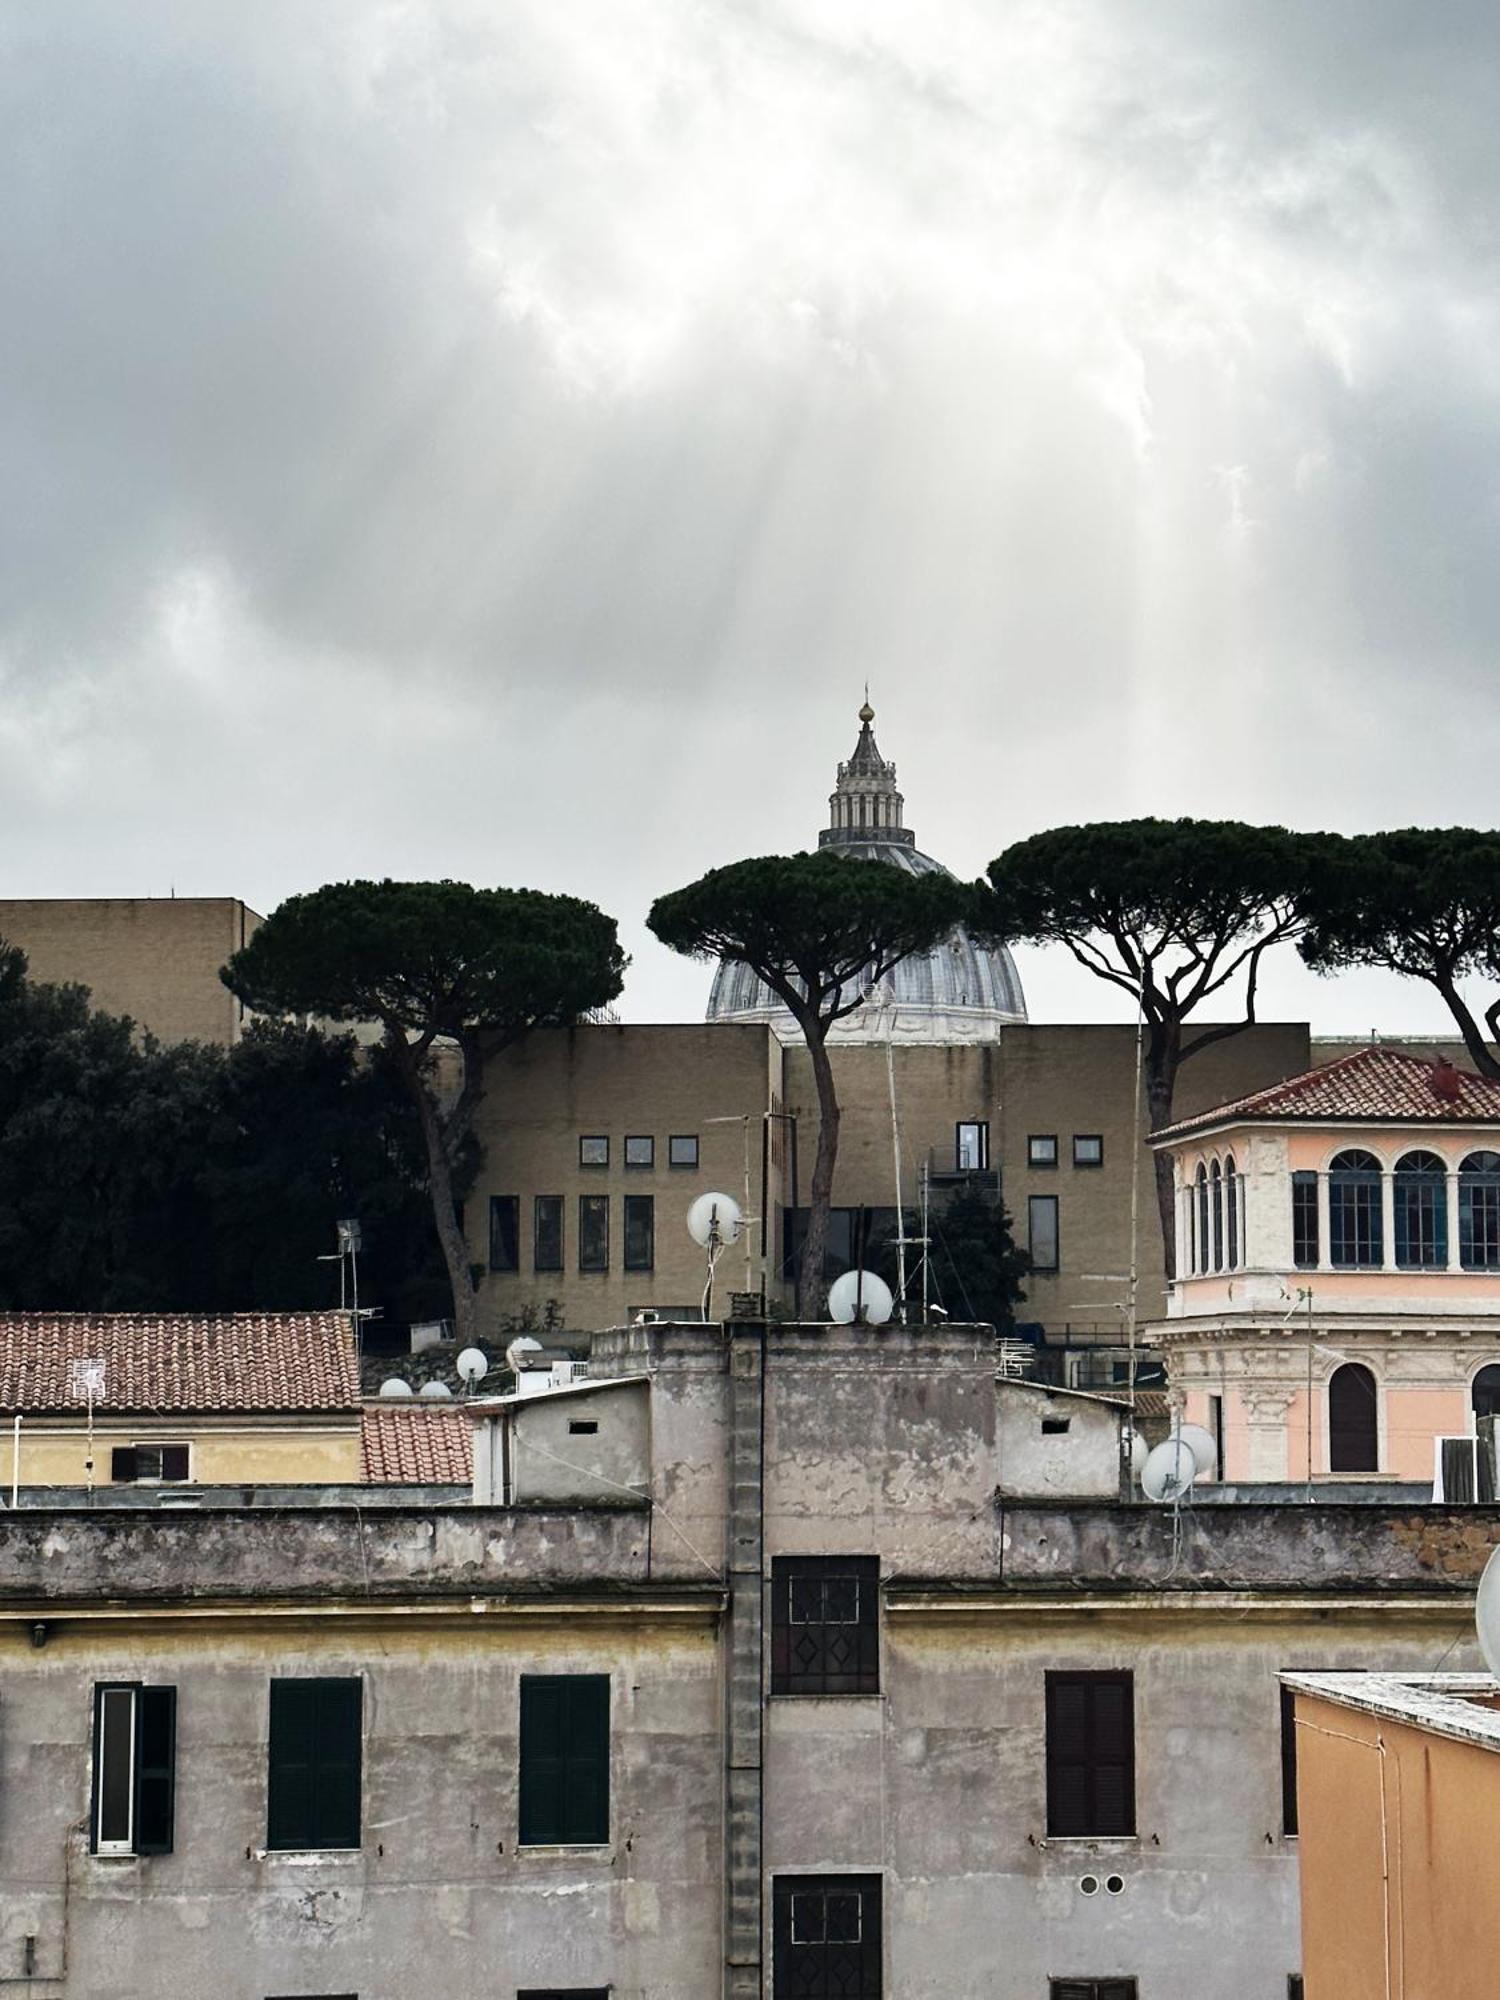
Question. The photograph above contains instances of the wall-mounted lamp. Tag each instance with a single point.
(40, 1633)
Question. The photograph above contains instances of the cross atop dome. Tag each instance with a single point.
(864, 806)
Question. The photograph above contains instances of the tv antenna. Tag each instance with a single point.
(86, 1377)
(714, 1222)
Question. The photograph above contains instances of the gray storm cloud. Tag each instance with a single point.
(501, 442)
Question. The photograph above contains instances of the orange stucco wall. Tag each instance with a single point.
(1399, 1831)
(1412, 1417)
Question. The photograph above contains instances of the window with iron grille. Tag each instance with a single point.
(826, 1937)
(564, 1760)
(1092, 1989)
(134, 1775)
(313, 1786)
(640, 1232)
(505, 1232)
(1090, 1754)
(1305, 1221)
(825, 1625)
(547, 1237)
(593, 1232)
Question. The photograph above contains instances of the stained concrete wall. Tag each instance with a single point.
(1054, 1444)
(581, 1445)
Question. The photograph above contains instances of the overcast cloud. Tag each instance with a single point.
(500, 441)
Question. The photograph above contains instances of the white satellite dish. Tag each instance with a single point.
(435, 1392)
(515, 1354)
(1487, 1614)
(714, 1220)
(1201, 1444)
(393, 1386)
(1138, 1449)
(863, 1293)
(473, 1365)
(1169, 1470)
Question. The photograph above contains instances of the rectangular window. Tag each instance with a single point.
(163, 1464)
(826, 1937)
(313, 1789)
(1090, 1754)
(1305, 1221)
(1088, 1149)
(1041, 1231)
(593, 1232)
(1041, 1149)
(1356, 1227)
(973, 1148)
(1288, 1762)
(682, 1149)
(134, 1778)
(547, 1239)
(564, 1760)
(505, 1232)
(640, 1232)
(825, 1625)
(640, 1150)
(593, 1150)
(1092, 1989)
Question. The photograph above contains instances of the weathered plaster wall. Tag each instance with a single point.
(54, 1452)
(1081, 1460)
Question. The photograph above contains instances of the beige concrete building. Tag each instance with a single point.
(155, 958)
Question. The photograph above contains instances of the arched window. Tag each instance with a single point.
(1421, 1212)
(1203, 1237)
(1217, 1182)
(1353, 1430)
(1485, 1395)
(1355, 1236)
(1479, 1212)
(1232, 1217)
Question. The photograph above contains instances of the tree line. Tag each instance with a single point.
(152, 1188)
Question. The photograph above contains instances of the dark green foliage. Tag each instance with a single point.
(977, 1268)
(136, 1177)
(1423, 901)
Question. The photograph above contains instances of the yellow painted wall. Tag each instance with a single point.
(55, 1454)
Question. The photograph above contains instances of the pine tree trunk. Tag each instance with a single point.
(810, 1277)
(1161, 1085)
(440, 1186)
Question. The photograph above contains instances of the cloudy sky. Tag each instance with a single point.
(501, 440)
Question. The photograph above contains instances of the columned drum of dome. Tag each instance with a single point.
(959, 991)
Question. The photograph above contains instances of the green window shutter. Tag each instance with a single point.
(122, 1462)
(314, 1775)
(340, 1726)
(564, 1760)
(155, 1769)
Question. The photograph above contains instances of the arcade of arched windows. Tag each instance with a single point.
(1214, 1216)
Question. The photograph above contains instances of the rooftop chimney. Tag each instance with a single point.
(1447, 1084)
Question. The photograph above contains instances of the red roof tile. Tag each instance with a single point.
(428, 1447)
(233, 1363)
(1372, 1084)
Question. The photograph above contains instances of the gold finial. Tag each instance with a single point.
(867, 714)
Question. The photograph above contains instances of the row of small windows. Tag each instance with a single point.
(1419, 1213)
(1088, 1149)
(1215, 1217)
(637, 1232)
(639, 1149)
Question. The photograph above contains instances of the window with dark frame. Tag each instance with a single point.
(1042, 1231)
(154, 1464)
(564, 1762)
(1479, 1212)
(640, 1149)
(1305, 1221)
(1092, 1989)
(505, 1232)
(547, 1233)
(826, 1937)
(1419, 1212)
(133, 1785)
(1288, 1763)
(593, 1232)
(640, 1232)
(971, 1149)
(315, 1764)
(1090, 1754)
(1353, 1420)
(825, 1625)
(1088, 1149)
(1041, 1149)
(682, 1149)
(1356, 1229)
(593, 1149)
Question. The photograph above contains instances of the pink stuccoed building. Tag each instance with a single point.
(1336, 1313)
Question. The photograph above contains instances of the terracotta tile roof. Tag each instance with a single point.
(427, 1447)
(223, 1362)
(1373, 1083)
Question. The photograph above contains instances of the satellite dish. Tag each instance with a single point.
(435, 1392)
(1201, 1444)
(1487, 1614)
(1139, 1450)
(393, 1386)
(473, 1365)
(515, 1354)
(861, 1292)
(1169, 1470)
(714, 1215)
